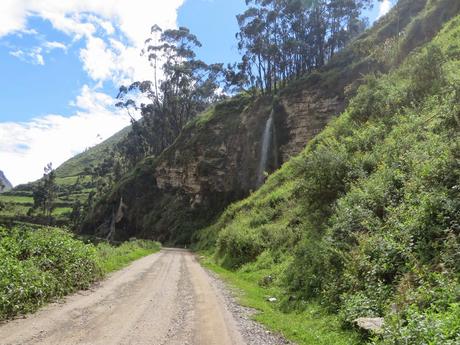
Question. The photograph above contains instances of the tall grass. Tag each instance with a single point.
(113, 258)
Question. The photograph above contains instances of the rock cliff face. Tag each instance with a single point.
(307, 114)
(5, 185)
(220, 154)
(215, 161)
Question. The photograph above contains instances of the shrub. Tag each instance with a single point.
(38, 265)
(428, 327)
(427, 74)
(238, 245)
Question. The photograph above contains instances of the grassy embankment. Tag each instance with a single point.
(312, 325)
(43, 264)
(367, 219)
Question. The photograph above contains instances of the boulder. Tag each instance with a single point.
(371, 324)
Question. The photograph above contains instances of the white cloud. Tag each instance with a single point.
(51, 45)
(105, 25)
(27, 147)
(113, 32)
(12, 16)
(385, 7)
(98, 59)
(17, 53)
(24, 32)
(33, 56)
(37, 56)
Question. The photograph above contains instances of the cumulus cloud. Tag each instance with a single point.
(113, 30)
(384, 8)
(98, 59)
(27, 147)
(12, 16)
(113, 33)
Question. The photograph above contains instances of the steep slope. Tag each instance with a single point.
(216, 159)
(367, 218)
(5, 185)
(91, 157)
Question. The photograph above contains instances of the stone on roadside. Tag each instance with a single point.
(372, 324)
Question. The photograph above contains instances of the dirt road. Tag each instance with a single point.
(165, 298)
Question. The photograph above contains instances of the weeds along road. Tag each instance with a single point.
(165, 298)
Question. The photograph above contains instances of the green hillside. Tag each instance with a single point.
(91, 157)
(366, 220)
(73, 182)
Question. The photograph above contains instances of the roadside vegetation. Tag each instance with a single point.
(312, 325)
(366, 219)
(364, 223)
(39, 265)
(112, 258)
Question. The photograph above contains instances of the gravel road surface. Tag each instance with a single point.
(164, 299)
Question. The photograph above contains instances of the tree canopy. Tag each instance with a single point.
(283, 39)
(183, 87)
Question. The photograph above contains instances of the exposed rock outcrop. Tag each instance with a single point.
(212, 163)
(307, 114)
(5, 185)
(215, 161)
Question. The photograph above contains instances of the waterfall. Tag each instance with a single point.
(266, 143)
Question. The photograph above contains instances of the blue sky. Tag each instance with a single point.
(34, 89)
(62, 61)
(52, 86)
(214, 22)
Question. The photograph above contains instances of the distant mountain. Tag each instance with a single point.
(5, 185)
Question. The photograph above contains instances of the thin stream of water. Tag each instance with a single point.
(266, 143)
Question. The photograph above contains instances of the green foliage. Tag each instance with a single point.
(17, 199)
(370, 209)
(427, 75)
(424, 327)
(112, 258)
(282, 40)
(311, 325)
(40, 265)
(45, 192)
(186, 88)
(74, 187)
(249, 228)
